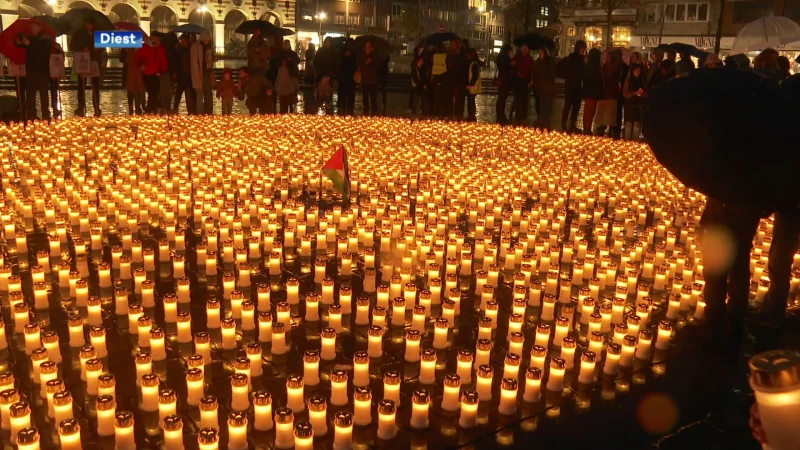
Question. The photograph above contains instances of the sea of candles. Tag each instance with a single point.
(185, 242)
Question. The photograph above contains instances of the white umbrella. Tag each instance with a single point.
(766, 32)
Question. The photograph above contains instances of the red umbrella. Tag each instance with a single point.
(8, 38)
(127, 26)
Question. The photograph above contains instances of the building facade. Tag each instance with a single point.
(219, 17)
(318, 19)
(588, 20)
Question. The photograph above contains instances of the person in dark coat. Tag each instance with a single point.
(504, 80)
(419, 85)
(544, 86)
(456, 79)
(473, 87)
(616, 130)
(347, 86)
(183, 77)
(258, 52)
(592, 90)
(55, 85)
(523, 67)
(573, 83)
(327, 61)
(633, 92)
(368, 66)
(37, 69)
(383, 81)
(83, 41)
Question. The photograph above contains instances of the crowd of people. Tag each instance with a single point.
(445, 81)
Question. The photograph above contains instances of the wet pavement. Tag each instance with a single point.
(684, 398)
(114, 102)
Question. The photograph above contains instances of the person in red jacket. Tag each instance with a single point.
(152, 59)
(522, 67)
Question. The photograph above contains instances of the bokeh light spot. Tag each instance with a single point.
(657, 413)
(719, 249)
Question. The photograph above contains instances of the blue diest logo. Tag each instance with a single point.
(118, 39)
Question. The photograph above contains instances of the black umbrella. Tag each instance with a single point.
(338, 42)
(285, 32)
(266, 28)
(60, 26)
(77, 17)
(380, 45)
(723, 132)
(438, 38)
(534, 41)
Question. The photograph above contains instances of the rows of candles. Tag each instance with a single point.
(577, 255)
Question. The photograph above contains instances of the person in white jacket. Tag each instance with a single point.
(201, 61)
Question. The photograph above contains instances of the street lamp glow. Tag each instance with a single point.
(480, 8)
(202, 9)
(321, 16)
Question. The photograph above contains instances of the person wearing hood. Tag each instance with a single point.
(327, 61)
(152, 60)
(286, 82)
(83, 41)
(456, 79)
(201, 60)
(37, 68)
(258, 52)
(347, 85)
(523, 67)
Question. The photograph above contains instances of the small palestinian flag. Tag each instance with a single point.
(338, 171)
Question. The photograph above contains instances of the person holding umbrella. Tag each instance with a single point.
(257, 52)
(83, 41)
(523, 66)
(37, 67)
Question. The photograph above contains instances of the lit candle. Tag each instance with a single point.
(339, 388)
(19, 418)
(106, 412)
(555, 382)
(209, 412)
(237, 431)
(265, 327)
(303, 436)
(9, 397)
(387, 426)
(375, 341)
(69, 435)
(508, 396)
(484, 382)
(611, 366)
(194, 386)
(362, 406)
(123, 431)
(208, 439)
(278, 339)
(335, 317)
(318, 415)
(149, 393)
(202, 346)
(240, 400)
(643, 345)
(533, 384)
(420, 404)
(452, 388)
(361, 368)
(441, 330)
(343, 431)
(173, 432)
(427, 369)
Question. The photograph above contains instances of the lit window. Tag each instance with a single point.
(338, 18)
(544, 10)
(570, 30)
